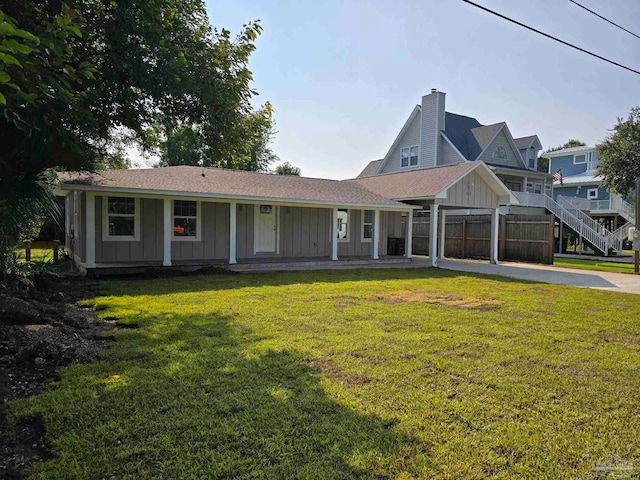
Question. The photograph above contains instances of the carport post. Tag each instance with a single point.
(376, 234)
(232, 232)
(433, 235)
(90, 235)
(495, 222)
(334, 235)
(166, 244)
(443, 219)
(409, 238)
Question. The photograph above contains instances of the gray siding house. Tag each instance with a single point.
(176, 216)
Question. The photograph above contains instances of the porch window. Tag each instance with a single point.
(367, 225)
(579, 159)
(529, 187)
(537, 188)
(186, 225)
(122, 218)
(592, 193)
(409, 156)
(343, 225)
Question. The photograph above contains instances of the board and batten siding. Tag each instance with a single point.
(472, 190)
(513, 158)
(148, 248)
(214, 236)
(410, 138)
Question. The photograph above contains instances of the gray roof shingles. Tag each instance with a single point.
(231, 183)
(371, 168)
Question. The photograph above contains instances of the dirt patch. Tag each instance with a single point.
(328, 367)
(41, 330)
(435, 298)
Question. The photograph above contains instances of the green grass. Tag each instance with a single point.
(350, 374)
(37, 254)
(588, 264)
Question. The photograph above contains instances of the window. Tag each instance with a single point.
(185, 220)
(513, 186)
(367, 225)
(122, 218)
(579, 159)
(409, 156)
(529, 187)
(537, 188)
(532, 163)
(499, 153)
(343, 225)
(547, 187)
(592, 193)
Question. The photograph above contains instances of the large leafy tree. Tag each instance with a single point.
(619, 154)
(78, 76)
(286, 168)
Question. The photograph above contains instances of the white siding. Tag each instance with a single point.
(448, 154)
(472, 190)
(433, 114)
(411, 137)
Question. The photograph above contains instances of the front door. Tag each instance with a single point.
(266, 229)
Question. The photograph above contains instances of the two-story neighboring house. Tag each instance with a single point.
(582, 188)
(433, 137)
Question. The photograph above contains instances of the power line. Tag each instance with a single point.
(551, 37)
(605, 19)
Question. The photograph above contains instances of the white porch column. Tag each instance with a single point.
(495, 221)
(334, 235)
(433, 236)
(90, 231)
(167, 233)
(232, 232)
(443, 214)
(409, 238)
(376, 234)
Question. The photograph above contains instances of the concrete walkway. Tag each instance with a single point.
(616, 282)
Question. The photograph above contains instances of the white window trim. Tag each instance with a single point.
(105, 221)
(590, 191)
(362, 224)
(346, 239)
(409, 157)
(178, 238)
(580, 155)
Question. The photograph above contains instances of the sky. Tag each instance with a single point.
(343, 77)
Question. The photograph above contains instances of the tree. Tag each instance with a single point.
(543, 161)
(619, 154)
(287, 169)
(75, 75)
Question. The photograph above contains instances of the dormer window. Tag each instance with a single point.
(499, 153)
(409, 157)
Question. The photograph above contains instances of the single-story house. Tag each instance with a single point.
(190, 215)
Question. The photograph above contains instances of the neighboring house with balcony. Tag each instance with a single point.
(582, 188)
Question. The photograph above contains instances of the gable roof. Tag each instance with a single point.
(484, 135)
(230, 184)
(371, 168)
(426, 183)
(526, 142)
(416, 110)
(457, 129)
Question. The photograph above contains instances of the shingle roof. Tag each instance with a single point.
(371, 168)
(230, 183)
(485, 134)
(457, 128)
(524, 142)
(421, 183)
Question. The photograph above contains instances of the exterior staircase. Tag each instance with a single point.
(571, 212)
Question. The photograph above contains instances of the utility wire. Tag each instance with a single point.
(551, 37)
(605, 19)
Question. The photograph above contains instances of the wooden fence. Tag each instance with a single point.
(524, 238)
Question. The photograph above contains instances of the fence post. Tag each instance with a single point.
(464, 236)
(27, 250)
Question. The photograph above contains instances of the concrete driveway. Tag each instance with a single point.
(616, 282)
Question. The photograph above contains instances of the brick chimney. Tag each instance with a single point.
(432, 124)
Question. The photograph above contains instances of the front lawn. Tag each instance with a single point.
(350, 374)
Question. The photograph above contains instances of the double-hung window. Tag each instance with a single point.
(367, 225)
(186, 224)
(409, 156)
(122, 218)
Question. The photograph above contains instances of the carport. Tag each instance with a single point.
(467, 185)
